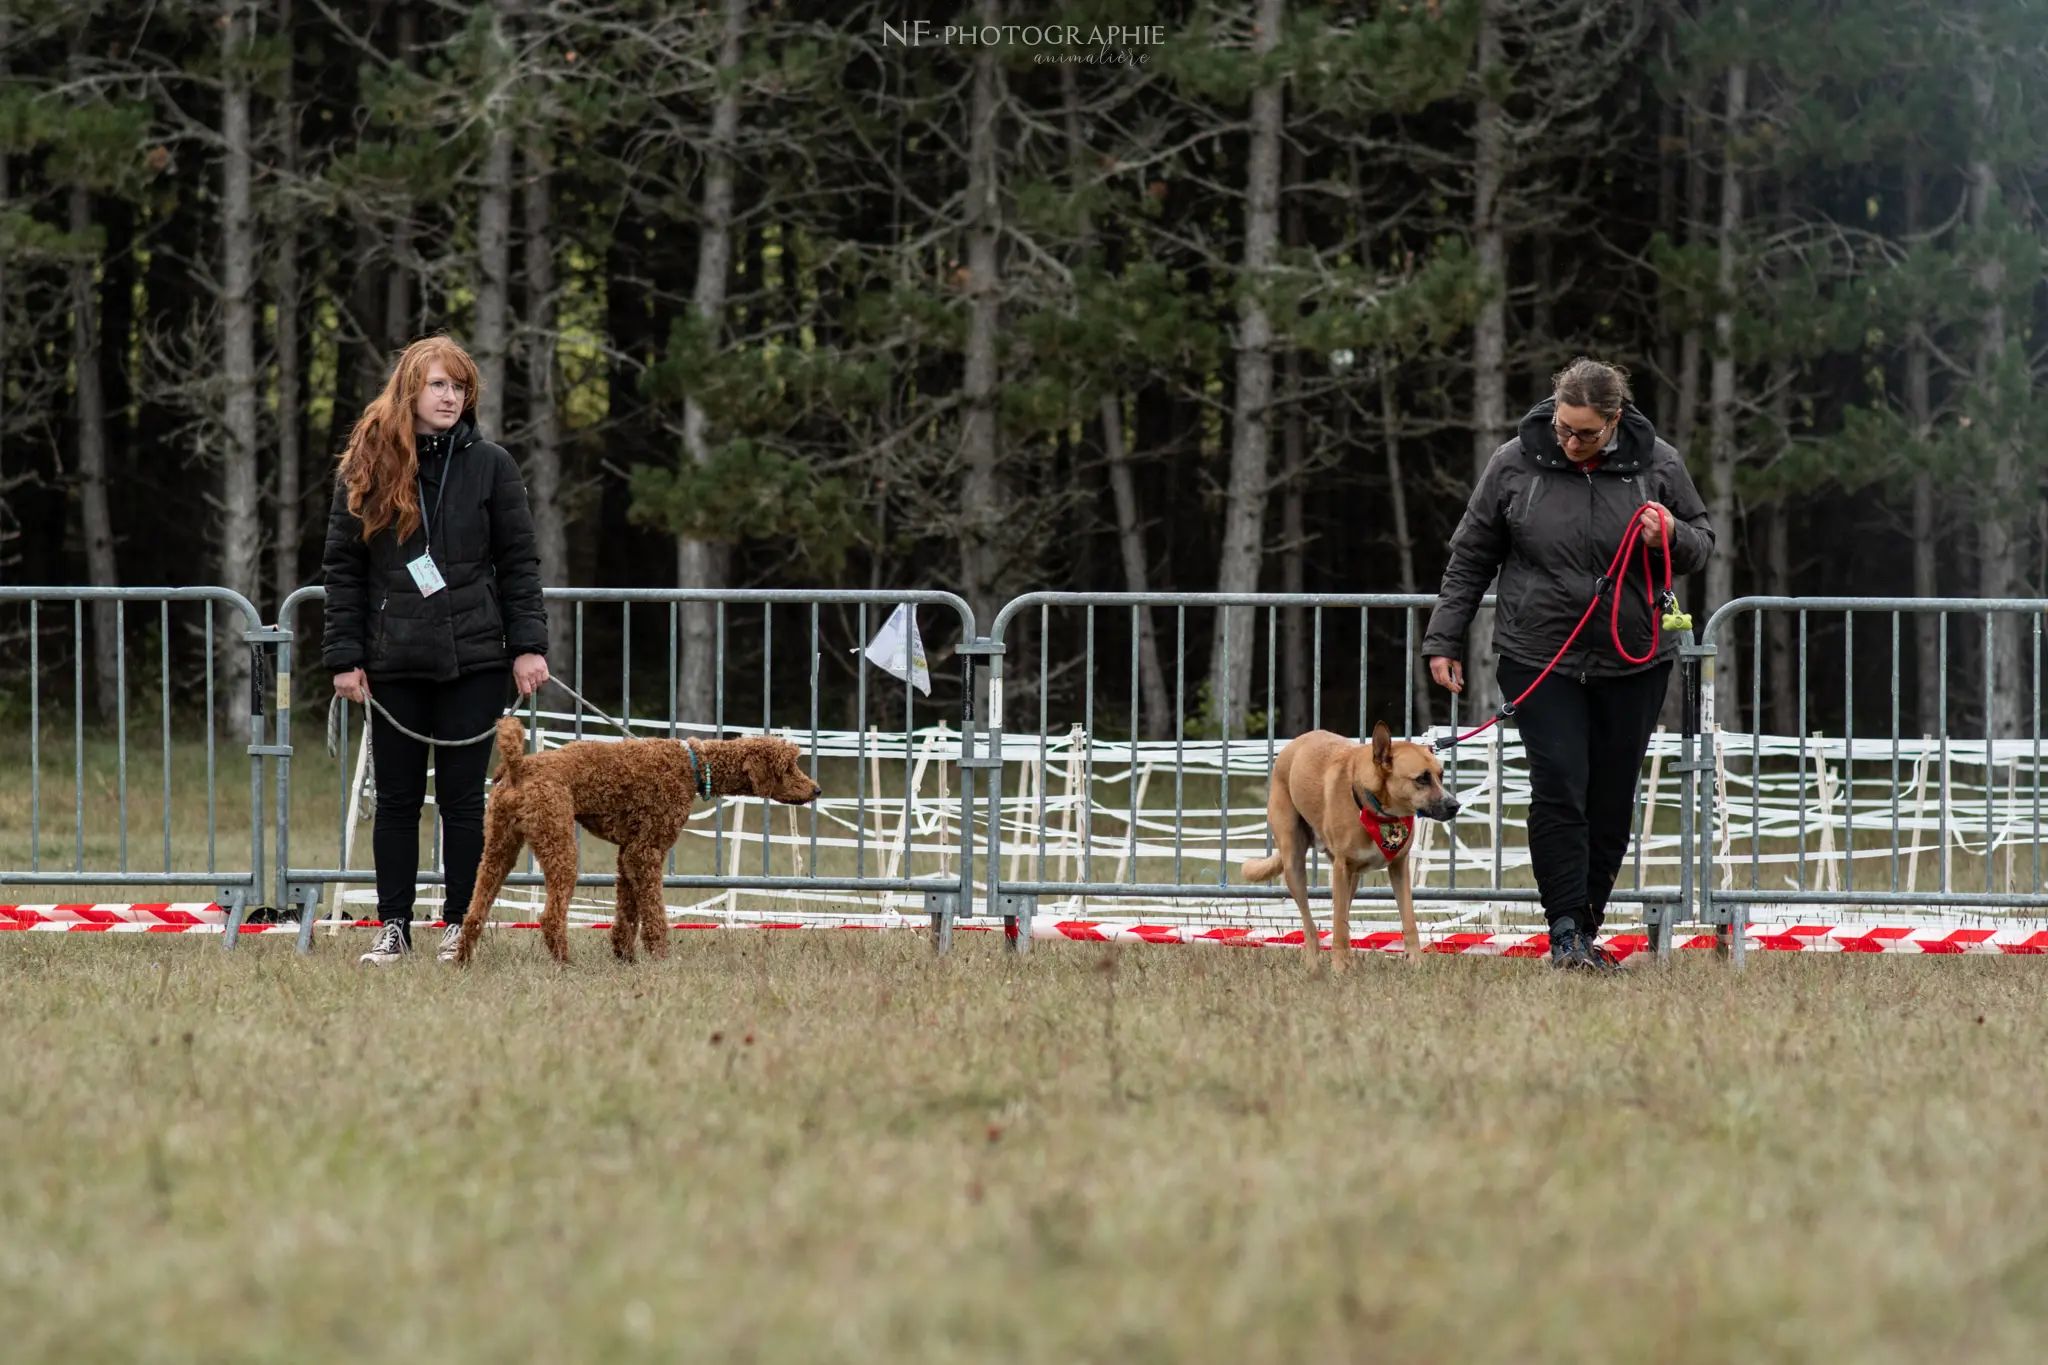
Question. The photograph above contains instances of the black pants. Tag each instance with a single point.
(455, 710)
(1585, 742)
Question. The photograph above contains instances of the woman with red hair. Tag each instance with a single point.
(433, 596)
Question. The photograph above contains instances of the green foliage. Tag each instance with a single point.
(747, 491)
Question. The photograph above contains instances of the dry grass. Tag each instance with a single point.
(831, 1147)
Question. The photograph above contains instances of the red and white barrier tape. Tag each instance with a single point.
(206, 918)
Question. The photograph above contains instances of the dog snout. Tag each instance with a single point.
(1446, 809)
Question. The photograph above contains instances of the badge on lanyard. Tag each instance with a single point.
(424, 571)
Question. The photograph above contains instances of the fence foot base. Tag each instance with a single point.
(305, 899)
(942, 906)
(1017, 913)
(235, 900)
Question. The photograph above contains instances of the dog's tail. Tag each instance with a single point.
(511, 746)
(1261, 869)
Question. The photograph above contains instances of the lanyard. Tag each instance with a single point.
(447, 468)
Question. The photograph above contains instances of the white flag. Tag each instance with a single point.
(897, 649)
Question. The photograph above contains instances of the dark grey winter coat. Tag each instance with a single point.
(1551, 530)
(483, 543)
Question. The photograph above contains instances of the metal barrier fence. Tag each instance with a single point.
(1148, 847)
(1859, 797)
(843, 847)
(1868, 818)
(106, 849)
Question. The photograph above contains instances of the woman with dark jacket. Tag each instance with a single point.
(433, 597)
(1549, 511)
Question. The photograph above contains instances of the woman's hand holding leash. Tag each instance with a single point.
(1657, 519)
(353, 685)
(1448, 672)
(530, 671)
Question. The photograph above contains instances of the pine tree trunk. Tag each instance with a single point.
(241, 534)
(1295, 699)
(705, 564)
(1404, 540)
(1490, 328)
(1998, 541)
(399, 324)
(1926, 523)
(494, 255)
(1685, 422)
(1244, 508)
(1721, 415)
(285, 283)
(1781, 678)
(542, 447)
(984, 502)
(94, 512)
(1155, 719)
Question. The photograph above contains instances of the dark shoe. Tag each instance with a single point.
(451, 939)
(1602, 958)
(392, 944)
(1573, 951)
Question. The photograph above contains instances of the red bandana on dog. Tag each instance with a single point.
(1390, 832)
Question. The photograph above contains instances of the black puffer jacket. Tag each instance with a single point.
(1551, 529)
(483, 542)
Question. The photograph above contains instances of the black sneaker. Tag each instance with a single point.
(1602, 957)
(451, 939)
(1573, 951)
(391, 945)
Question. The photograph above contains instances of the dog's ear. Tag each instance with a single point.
(1382, 745)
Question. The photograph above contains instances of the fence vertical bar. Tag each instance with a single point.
(1990, 784)
(1802, 748)
(1223, 775)
(1044, 649)
(1088, 750)
(1896, 614)
(1315, 691)
(718, 725)
(674, 636)
(1849, 750)
(163, 627)
(1364, 633)
(121, 716)
(1941, 725)
(78, 733)
(966, 774)
(813, 808)
(35, 738)
(1272, 639)
(1500, 801)
(2036, 618)
(1180, 711)
(210, 798)
(1131, 830)
(626, 665)
(860, 753)
(1756, 748)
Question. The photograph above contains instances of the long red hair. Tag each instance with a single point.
(382, 462)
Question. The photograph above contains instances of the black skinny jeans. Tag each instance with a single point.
(456, 710)
(1585, 742)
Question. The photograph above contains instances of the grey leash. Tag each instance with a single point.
(334, 722)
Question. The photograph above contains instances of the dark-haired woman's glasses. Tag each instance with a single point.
(1573, 436)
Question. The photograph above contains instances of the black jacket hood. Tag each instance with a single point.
(1539, 441)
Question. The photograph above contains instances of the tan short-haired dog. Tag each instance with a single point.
(1358, 803)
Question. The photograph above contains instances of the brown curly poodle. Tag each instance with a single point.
(636, 793)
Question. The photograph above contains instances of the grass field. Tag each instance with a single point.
(832, 1147)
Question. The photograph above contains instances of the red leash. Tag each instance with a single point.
(1631, 539)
